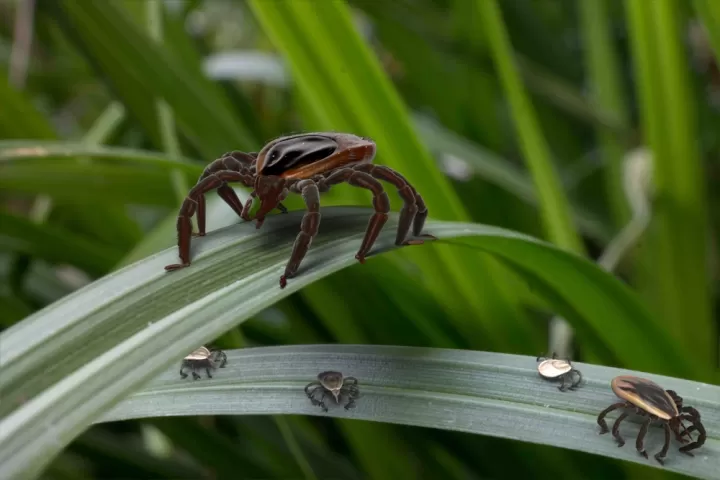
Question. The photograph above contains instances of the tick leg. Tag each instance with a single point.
(227, 193)
(245, 213)
(201, 216)
(314, 386)
(694, 417)
(601, 418)
(183, 374)
(224, 359)
(639, 442)
(579, 380)
(308, 228)
(562, 386)
(195, 375)
(190, 205)
(616, 429)
(662, 453)
(381, 202)
(414, 211)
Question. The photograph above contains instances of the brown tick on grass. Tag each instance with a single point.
(307, 164)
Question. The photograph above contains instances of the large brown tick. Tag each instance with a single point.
(647, 398)
(307, 164)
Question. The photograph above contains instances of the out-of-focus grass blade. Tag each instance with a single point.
(675, 270)
(603, 70)
(497, 170)
(31, 149)
(708, 11)
(344, 83)
(55, 245)
(142, 315)
(83, 184)
(479, 392)
(115, 176)
(18, 117)
(138, 71)
(554, 206)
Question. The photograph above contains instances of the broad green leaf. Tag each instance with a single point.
(479, 392)
(127, 327)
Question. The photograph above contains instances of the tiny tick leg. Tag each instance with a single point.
(579, 380)
(616, 429)
(662, 453)
(562, 386)
(601, 418)
(308, 228)
(693, 416)
(639, 442)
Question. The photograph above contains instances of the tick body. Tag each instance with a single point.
(558, 369)
(307, 164)
(336, 385)
(203, 358)
(646, 398)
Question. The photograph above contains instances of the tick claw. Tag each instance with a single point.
(283, 281)
(360, 258)
(176, 266)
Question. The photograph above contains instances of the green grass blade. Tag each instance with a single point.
(708, 11)
(139, 71)
(500, 171)
(142, 315)
(484, 393)
(115, 176)
(554, 210)
(54, 244)
(603, 66)
(676, 263)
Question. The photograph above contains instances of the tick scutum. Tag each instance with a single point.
(289, 154)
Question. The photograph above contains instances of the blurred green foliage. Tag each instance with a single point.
(472, 100)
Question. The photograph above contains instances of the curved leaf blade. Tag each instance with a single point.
(143, 316)
(478, 392)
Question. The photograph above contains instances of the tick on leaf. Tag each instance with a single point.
(647, 398)
(308, 164)
(203, 358)
(335, 384)
(558, 369)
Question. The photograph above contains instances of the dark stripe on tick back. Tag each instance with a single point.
(652, 395)
(291, 154)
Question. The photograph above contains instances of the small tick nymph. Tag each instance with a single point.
(557, 369)
(648, 399)
(335, 384)
(201, 358)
